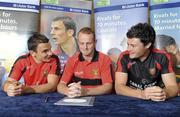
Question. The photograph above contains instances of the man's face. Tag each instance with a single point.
(59, 32)
(173, 49)
(86, 44)
(43, 53)
(136, 48)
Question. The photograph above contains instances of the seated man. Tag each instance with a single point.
(88, 72)
(39, 68)
(143, 71)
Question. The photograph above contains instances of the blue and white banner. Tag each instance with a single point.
(21, 5)
(18, 20)
(165, 18)
(78, 10)
(113, 18)
(65, 9)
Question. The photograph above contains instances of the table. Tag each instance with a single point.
(34, 105)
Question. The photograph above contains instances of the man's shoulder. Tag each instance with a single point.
(75, 56)
(103, 57)
(157, 51)
(54, 58)
(101, 54)
(160, 54)
(124, 54)
(24, 57)
(73, 59)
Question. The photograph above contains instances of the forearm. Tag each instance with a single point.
(100, 90)
(171, 91)
(44, 88)
(62, 88)
(128, 91)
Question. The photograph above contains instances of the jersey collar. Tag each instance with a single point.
(94, 59)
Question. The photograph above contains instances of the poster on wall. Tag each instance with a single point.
(18, 20)
(79, 11)
(165, 18)
(60, 21)
(113, 18)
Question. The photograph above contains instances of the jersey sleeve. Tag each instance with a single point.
(55, 66)
(122, 63)
(106, 71)
(17, 70)
(166, 64)
(68, 71)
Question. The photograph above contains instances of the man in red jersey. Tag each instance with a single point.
(143, 71)
(88, 72)
(39, 68)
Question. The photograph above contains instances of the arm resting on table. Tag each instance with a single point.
(171, 87)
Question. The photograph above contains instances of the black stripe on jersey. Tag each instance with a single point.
(21, 57)
(58, 69)
(86, 82)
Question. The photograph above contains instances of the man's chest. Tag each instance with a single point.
(87, 70)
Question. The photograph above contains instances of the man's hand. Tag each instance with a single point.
(74, 90)
(154, 93)
(15, 89)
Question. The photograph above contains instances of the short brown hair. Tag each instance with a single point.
(86, 30)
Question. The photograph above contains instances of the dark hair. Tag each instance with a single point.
(144, 32)
(68, 23)
(35, 40)
(164, 41)
(87, 30)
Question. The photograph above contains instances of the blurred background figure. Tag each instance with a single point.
(2, 74)
(113, 53)
(168, 43)
(63, 32)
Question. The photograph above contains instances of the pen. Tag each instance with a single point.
(46, 99)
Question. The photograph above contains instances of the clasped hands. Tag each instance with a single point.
(154, 93)
(75, 90)
(15, 88)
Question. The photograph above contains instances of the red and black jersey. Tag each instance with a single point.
(147, 73)
(91, 74)
(33, 73)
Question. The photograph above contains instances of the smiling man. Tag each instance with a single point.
(88, 72)
(39, 68)
(143, 71)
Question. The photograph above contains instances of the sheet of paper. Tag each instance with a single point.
(81, 101)
(75, 100)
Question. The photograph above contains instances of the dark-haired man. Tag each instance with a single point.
(39, 68)
(143, 71)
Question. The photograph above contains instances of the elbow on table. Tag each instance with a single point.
(53, 88)
(62, 88)
(172, 93)
(109, 89)
(118, 89)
